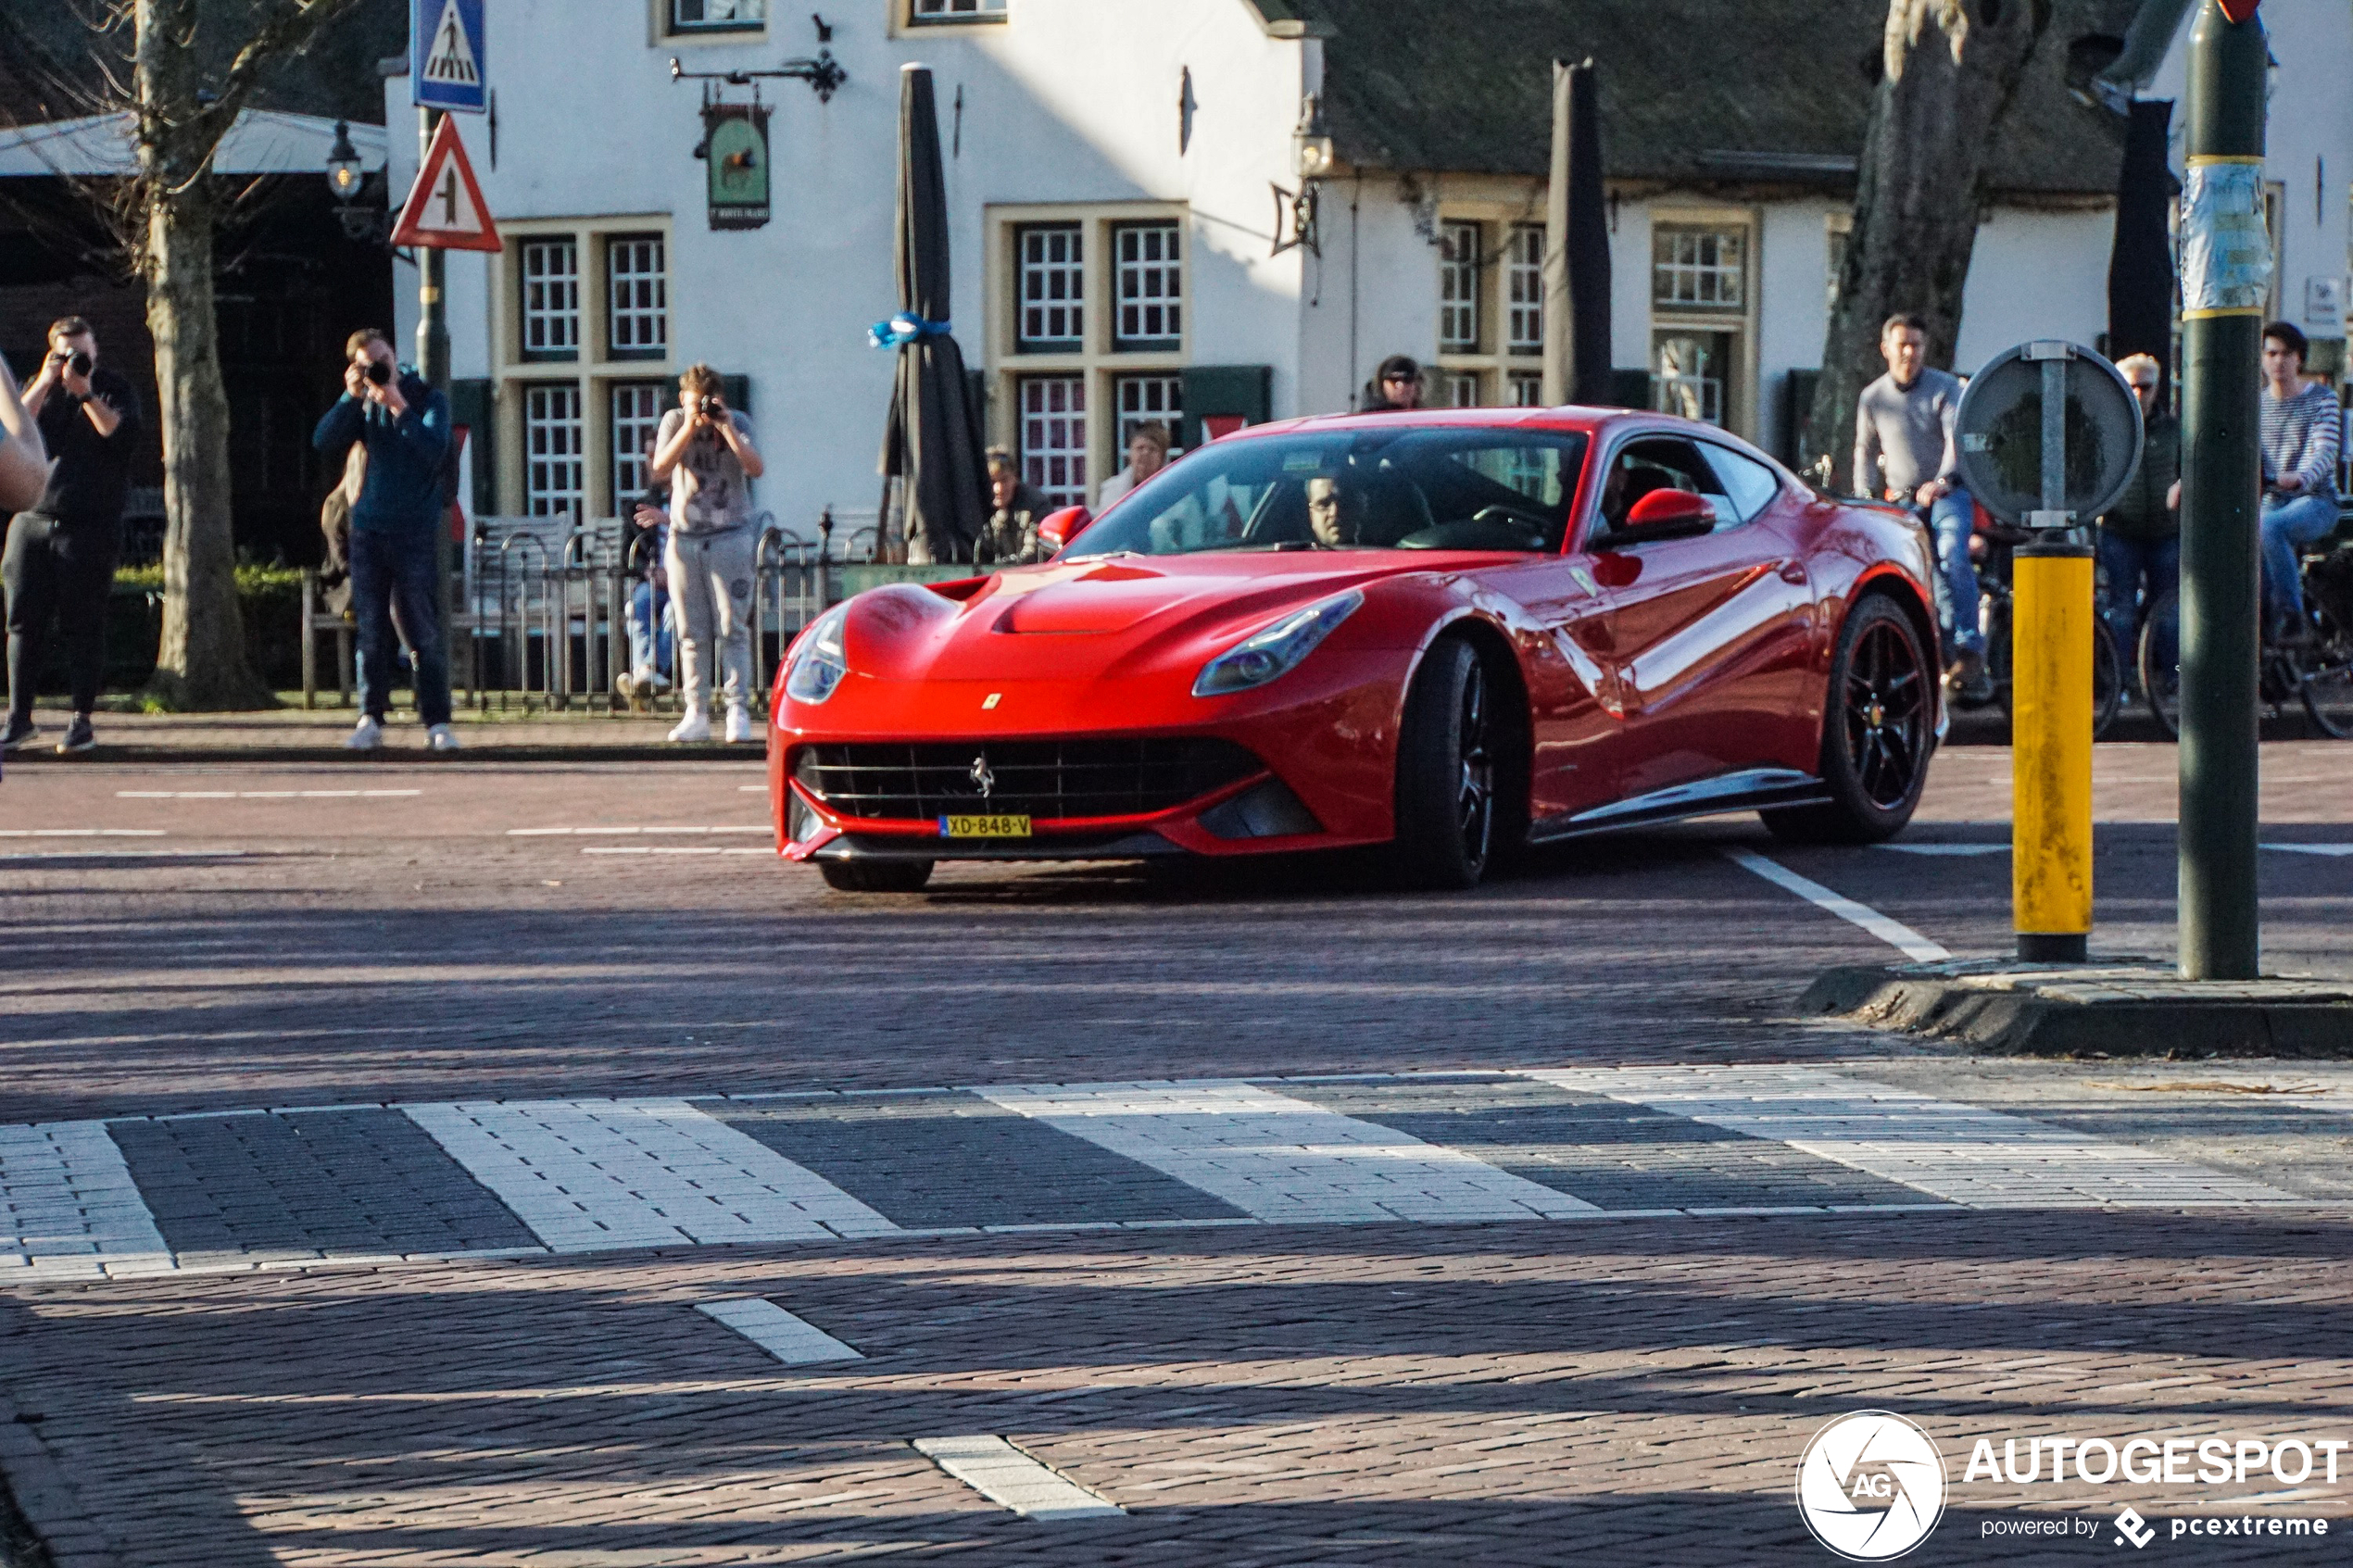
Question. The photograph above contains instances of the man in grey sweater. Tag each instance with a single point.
(1905, 452)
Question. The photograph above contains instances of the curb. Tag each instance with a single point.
(2110, 1007)
(46, 1505)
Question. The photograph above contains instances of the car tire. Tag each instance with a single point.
(1447, 771)
(875, 876)
(1877, 732)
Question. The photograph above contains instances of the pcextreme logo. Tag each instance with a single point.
(1871, 1486)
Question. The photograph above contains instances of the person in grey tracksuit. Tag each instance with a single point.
(705, 449)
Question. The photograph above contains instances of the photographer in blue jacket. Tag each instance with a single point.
(404, 426)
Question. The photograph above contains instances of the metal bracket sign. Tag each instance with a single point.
(735, 150)
(445, 59)
(2049, 435)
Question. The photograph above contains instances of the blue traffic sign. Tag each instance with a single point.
(446, 69)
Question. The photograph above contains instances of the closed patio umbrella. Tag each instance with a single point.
(933, 440)
(1577, 348)
(2140, 267)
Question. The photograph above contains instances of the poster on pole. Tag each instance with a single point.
(446, 69)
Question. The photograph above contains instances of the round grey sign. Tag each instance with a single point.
(2001, 426)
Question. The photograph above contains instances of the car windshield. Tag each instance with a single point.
(1443, 488)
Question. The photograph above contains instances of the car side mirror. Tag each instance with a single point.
(1666, 514)
(1056, 529)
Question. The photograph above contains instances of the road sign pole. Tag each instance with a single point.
(432, 360)
(2051, 704)
(2221, 484)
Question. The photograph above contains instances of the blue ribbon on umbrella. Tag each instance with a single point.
(906, 327)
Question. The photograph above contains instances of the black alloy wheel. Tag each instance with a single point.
(875, 876)
(1877, 732)
(1446, 770)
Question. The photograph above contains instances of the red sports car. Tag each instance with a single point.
(1454, 633)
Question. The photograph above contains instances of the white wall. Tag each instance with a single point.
(2034, 274)
(589, 124)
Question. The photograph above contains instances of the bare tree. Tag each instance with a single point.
(1951, 67)
(184, 70)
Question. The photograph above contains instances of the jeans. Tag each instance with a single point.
(2289, 524)
(710, 588)
(2140, 572)
(653, 618)
(398, 569)
(61, 570)
(1952, 520)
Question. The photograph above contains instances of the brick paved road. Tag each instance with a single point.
(429, 1326)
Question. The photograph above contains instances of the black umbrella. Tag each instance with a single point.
(2140, 268)
(933, 441)
(1577, 351)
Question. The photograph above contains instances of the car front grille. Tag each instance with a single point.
(1048, 780)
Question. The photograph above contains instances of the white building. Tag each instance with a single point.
(1114, 170)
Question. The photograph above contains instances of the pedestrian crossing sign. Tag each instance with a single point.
(445, 209)
(446, 55)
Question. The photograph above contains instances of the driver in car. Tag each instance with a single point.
(1335, 512)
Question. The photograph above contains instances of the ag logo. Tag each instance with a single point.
(1871, 1486)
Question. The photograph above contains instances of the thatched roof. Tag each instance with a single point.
(1695, 93)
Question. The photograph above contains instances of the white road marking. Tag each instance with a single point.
(594, 1174)
(1945, 848)
(620, 833)
(68, 1208)
(1894, 933)
(779, 1333)
(1284, 1160)
(1962, 1153)
(81, 832)
(2330, 849)
(751, 789)
(121, 855)
(1009, 1478)
(261, 793)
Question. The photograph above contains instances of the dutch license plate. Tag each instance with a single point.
(984, 827)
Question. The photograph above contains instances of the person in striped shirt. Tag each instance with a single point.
(2302, 428)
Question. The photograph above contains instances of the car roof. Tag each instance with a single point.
(1598, 422)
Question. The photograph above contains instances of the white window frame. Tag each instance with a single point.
(1052, 444)
(1692, 279)
(1524, 289)
(549, 297)
(676, 25)
(645, 319)
(626, 428)
(1679, 315)
(1137, 400)
(1462, 249)
(1147, 289)
(1096, 354)
(555, 455)
(592, 372)
(1039, 274)
(1523, 389)
(953, 13)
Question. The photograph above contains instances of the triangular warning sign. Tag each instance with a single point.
(445, 209)
(450, 58)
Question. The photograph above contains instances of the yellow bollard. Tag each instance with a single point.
(2051, 751)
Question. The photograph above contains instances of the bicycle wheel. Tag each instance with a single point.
(2160, 661)
(2108, 681)
(2327, 677)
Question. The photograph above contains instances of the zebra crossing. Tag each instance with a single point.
(200, 1193)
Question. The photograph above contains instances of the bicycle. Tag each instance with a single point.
(1995, 602)
(2318, 673)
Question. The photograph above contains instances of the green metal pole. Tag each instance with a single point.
(433, 364)
(2221, 484)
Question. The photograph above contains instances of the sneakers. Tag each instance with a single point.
(441, 737)
(627, 684)
(79, 736)
(366, 735)
(21, 733)
(1965, 677)
(739, 727)
(695, 727)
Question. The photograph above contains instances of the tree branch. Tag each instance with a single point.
(287, 28)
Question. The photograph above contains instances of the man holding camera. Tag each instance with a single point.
(60, 558)
(704, 449)
(404, 426)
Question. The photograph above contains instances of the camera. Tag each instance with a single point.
(378, 373)
(710, 404)
(80, 364)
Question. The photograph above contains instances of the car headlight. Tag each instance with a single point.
(1275, 651)
(817, 662)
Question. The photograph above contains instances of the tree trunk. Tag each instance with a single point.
(1951, 69)
(201, 663)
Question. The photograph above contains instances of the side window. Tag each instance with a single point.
(1660, 462)
(1751, 484)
